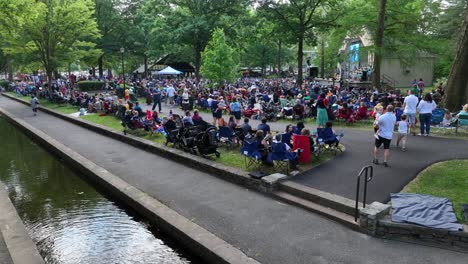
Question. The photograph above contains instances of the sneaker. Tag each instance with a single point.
(426, 135)
(375, 161)
(386, 164)
(420, 134)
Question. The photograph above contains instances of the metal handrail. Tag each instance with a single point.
(368, 178)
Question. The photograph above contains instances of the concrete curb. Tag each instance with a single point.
(20, 245)
(218, 170)
(196, 239)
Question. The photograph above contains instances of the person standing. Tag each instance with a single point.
(171, 94)
(157, 99)
(403, 127)
(34, 104)
(322, 114)
(425, 108)
(386, 124)
(236, 109)
(410, 103)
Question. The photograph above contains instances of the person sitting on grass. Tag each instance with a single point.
(187, 120)
(196, 115)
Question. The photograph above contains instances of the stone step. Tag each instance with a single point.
(327, 212)
(336, 202)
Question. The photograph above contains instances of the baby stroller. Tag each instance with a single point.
(172, 133)
(189, 138)
(206, 142)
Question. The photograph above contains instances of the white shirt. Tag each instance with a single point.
(411, 101)
(403, 127)
(386, 124)
(170, 91)
(426, 107)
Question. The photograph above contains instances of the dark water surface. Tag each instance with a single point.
(69, 220)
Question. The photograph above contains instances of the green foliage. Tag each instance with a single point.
(85, 86)
(219, 59)
(4, 84)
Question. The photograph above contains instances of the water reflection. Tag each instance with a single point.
(68, 220)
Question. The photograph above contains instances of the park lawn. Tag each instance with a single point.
(444, 179)
(107, 121)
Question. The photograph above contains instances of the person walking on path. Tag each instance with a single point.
(403, 127)
(171, 94)
(386, 124)
(34, 104)
(425, 108)
(410, 103)
(236, 110)
(157, 99)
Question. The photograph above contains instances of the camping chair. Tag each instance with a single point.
(281, 158)
(252, 156)
(226, 135)
(437, 116)
(462, 121)
(328, 141)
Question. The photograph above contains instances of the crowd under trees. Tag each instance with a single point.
(62, 35)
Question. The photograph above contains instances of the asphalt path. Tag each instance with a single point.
(265, 229)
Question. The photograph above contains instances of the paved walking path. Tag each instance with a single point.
(339, 176)
(265, 229)
(4, 254)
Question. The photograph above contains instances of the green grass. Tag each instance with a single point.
(107, 121)
(63, 108)
(445, 179)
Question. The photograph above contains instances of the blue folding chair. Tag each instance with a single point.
(328, 141)
(252, 156)
(437, 116)
(281, 158)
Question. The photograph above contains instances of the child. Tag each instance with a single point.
(447, 121)
(403, 129)
(34, 104)
(377, 113)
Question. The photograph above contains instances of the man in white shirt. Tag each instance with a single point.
(386, 125)
(171, 93)
(410, 103)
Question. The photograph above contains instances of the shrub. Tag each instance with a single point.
(86, 86)
(4, 84)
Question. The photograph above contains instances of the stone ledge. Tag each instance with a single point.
(19, 244)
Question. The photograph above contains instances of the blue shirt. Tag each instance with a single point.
(235, 107)
(264, 127)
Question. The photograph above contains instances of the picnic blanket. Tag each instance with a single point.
(425, 210)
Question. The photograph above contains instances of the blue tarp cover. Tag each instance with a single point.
(424, 210)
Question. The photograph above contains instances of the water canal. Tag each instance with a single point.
(68, 219)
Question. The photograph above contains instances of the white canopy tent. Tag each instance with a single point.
(169, 71)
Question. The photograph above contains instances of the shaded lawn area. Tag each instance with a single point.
(444, 179)
(107, 121)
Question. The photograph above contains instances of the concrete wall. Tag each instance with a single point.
(404, 75)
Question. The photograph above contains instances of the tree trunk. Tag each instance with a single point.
(457, 85)
(279, 57)
(100, 69)
(322, 58)
(9, 68)
(378, 45)
(146, 66)
(300, 58)
(197, 64)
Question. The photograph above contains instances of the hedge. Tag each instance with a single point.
(4, 84)
(85, 86)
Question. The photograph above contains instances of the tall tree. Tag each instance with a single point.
(378, 44)
(220, 61)
(457, 85)
(56, 31)
(301, 17)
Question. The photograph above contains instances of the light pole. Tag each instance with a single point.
(122, 50)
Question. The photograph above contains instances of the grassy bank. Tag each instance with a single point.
(445, 179)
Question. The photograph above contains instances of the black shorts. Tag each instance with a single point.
(218, 114)
(237, 115)
(384, 141)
